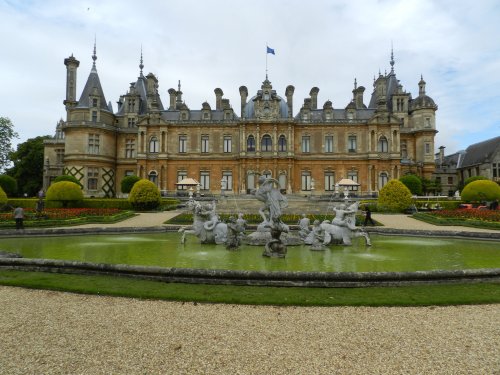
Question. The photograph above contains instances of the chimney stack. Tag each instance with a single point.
(172, 94)
(289, 99)
(314, 97)
(244, 96)
(218, 98)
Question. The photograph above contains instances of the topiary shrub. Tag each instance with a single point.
(144, 195)
(128, 182)
(66, 192)
(69, 178)
(394, 197)
(3, 197)
(8, 184)
(413, 183)
(472, 179)
(480, 191)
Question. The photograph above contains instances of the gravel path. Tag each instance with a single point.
(46, 332)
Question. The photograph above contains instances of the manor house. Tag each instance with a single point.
(306, 147)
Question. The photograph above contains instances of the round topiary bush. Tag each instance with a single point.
(144, 195)
(128, 182)
(394, 197)
(3, 197)
(69, 178)
(8, 184)
(480, 191)
(472, 179)
(413, 183)
(66, 192)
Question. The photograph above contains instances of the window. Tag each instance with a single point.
(267, 143)
(131, 105)
(94, 116)
(153, 177)
(182, 143)
(353, 175)
(131, 122)
(382, 180)
(129, 173)
(281, 143)
(496, 170)
(306, 144)
(306, 181)
(154, 145)
(450, 180)
(93, 144)
(180, 176)
(351, 143)
(267, 174)
(427, 122)
(227, 144)
(329, 143)
(427, 148)
(129, 148)
(282, 181)
(205, 180)
(251, 143)
(60, 156)
(92, 178)
(329, 181)
(383, 145)
(227, 180)
(438, 180)
(404, 151)
(204, 144)
(205, 116)
(94, 102)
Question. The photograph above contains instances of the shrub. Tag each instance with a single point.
(144, 195)
(394, 197)
(413, 183)
(65, 192)
(3, 197)
(472, 179)
(127, 183)
(8, 184)
(69, 178)
(481, 190)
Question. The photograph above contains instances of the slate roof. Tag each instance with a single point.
(480, 153)
(93, 86)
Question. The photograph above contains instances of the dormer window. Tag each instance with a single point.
(350, 115)
(266, 96)
(94, 102)
(205, 116)
(184, 116)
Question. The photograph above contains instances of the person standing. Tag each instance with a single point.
(368, 216)
(19, 217)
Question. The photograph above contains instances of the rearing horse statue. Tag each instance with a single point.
(206, 225)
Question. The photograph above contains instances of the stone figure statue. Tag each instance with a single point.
(234, 231)
(206, 224)
(317, 236)
(304, 223)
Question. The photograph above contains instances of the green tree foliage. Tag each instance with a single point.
(69, 178)
(144, 195)
(66, 192)
(127, 183)
(480, 191)
(394, 197)
(3, 197)
(413, 183)
(472, 179)
(9, 185)
(28, 165)
(7, 134)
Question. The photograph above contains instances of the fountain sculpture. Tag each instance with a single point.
(206, 224)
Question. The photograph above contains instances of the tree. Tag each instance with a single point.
(65, 192)
(127, 183)
(8, 184)
(69, 178)
(413, 183)
(394, 197)
(28, 165)
(144, 195)
(3, 197)
(7, 134)
(481, 191)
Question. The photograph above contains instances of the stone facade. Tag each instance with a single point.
(307, 152)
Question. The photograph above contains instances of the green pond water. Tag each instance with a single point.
(388, 253)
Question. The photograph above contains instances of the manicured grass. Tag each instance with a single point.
(453, 294)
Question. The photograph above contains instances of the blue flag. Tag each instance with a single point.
(270, 50)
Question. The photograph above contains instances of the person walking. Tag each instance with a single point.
(368, 216)
(19, 217)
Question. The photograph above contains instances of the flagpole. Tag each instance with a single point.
(266, 60)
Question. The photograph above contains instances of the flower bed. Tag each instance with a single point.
(467, 217)
(65, 216)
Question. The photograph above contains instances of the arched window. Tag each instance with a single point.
(154, 145)
(282, 143)
(267, 143)
(383, 145)
(382, 180)
(251, 143)
(153, 177)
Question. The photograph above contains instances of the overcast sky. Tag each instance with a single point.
(215, 43)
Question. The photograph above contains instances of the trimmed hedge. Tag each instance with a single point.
(394, 197)
(481, 190)
(120, 203)
(144, 195)
(3, 197)
(8, 184)
(66, 192)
